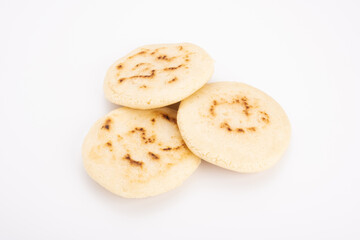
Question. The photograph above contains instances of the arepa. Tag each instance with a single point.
(138, 153)
(234, 126)
(158, 75)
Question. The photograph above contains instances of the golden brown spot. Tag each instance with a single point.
(240, 130)
(212, 108)
(173, 80)
(139, 53)
(172, 148)
(153, 120)
(119, 66)
(145, 76)
(172, 68)
(180, 48)
(165, 58)
(265, 118)
(151, 139)
(167, 117)
(153, 156)
(138, 65)
(139, 76)
(253, 129)
(226, 125)
(109, 144)
(119, 138)
(106, 125)
(155, 51)
(132, 161)
(143, 86)
(246, 105)
(212, 112)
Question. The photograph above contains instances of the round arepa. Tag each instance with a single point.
(158, 75)
(234, 126)
(138, 153)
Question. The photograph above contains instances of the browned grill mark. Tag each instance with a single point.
(212, 112)
(167, 117)
(165, 58)
(139, 53)
(226, 125)
(212, 108)
(109, 145)
(265, 118)
(132, 161)
(243, 101)
(138, 65)
(145, 76)
(153, 156)
(119, 66)
(240, 130)
(139, 76)
(162, 57)
(106, 125)
(252, 129)
(155, 51)
(173, 68)
(173, 148)
(173, 80)
(246, 105)
(151, 139)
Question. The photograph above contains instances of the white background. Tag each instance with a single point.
(53, 58)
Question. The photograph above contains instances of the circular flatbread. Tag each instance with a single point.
(138, 153)
(158, 75)
(234, 126)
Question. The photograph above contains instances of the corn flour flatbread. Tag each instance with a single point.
(158, 75)
(234, 126)
(138, 153)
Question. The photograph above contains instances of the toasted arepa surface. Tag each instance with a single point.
(138, 153)
(157, 75)
(234, 126)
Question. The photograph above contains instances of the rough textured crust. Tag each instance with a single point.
(158, 75)
(234, 126)
(138, 153)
